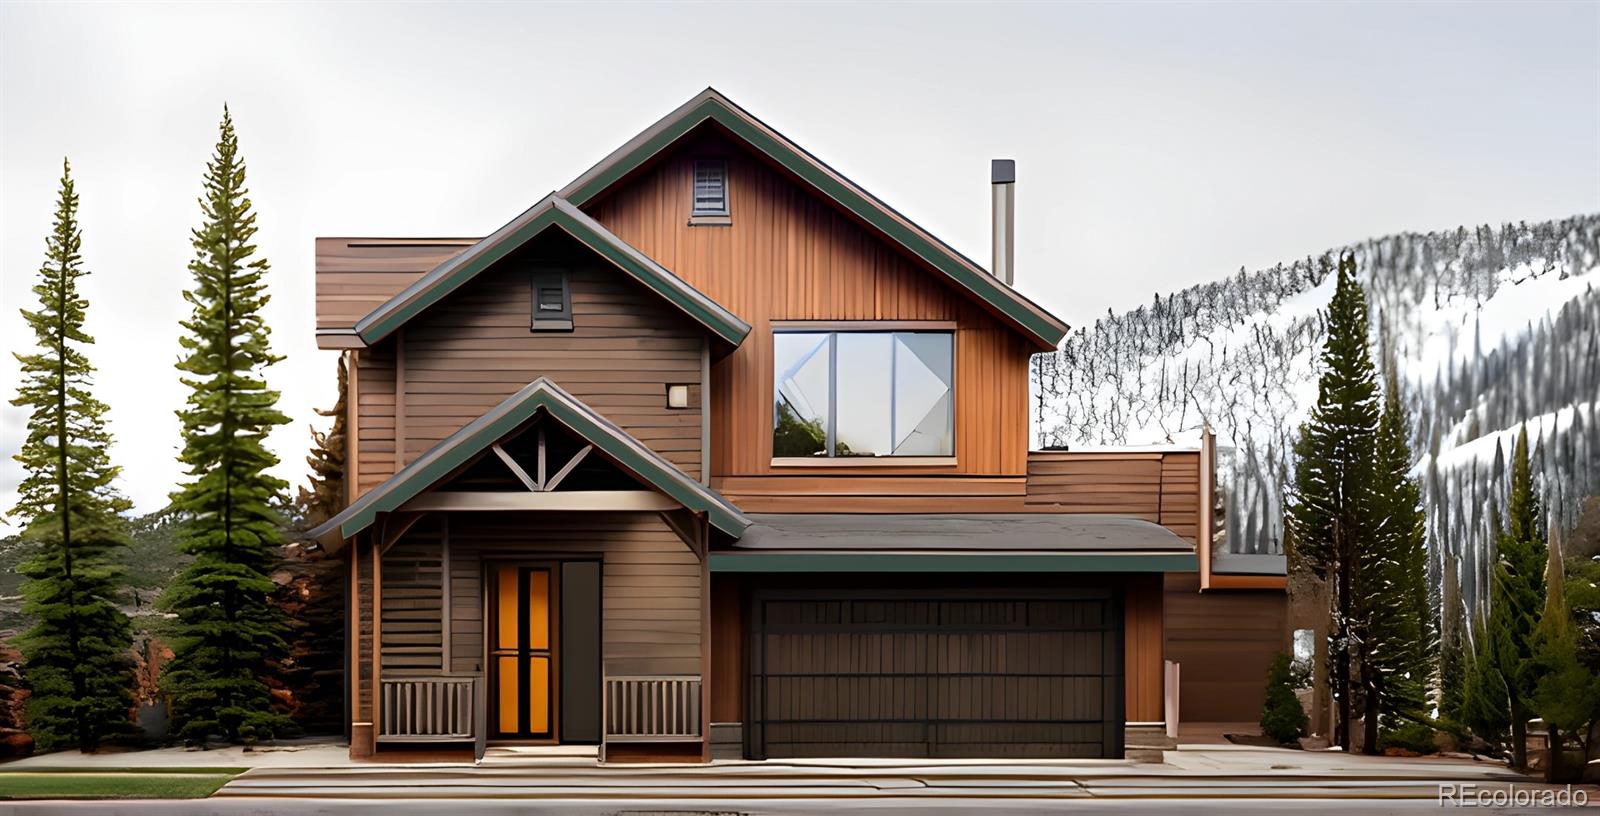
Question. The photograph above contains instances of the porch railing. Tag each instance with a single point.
(660, 708)
(428, 708)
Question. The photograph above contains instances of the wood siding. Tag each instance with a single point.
(1223, 642)
(1143, 648)
(789, 255)
(650, 583)
(1157, 486)
(472, 350)
(357, 275)
(413, 600)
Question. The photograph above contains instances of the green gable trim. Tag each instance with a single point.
(1043, 330)
(952, 562)
(554, 212)
(474, 438)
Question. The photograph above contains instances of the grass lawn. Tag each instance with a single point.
(114, 783)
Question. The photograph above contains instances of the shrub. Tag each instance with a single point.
(1412, 736)
(1282, 716)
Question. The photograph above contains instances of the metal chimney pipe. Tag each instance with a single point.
(1003, 184)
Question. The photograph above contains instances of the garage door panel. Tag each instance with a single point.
(936, 677)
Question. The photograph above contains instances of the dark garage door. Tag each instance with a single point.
(936, 674)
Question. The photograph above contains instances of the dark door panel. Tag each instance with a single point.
(936, 674)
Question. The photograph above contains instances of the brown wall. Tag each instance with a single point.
(788, 255)
(473, 349)
(1223, 642)
(1157, 486)
(357, 275)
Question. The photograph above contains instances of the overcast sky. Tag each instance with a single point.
(1157, 145)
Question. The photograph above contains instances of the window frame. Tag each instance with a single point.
(540, 320)
(888, 327)
(697, 215)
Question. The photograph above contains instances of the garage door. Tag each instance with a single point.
(935, 674)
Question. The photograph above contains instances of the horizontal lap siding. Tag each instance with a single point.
(650, 583)
(357, 275)
(375, 417)
(469, 352)
(413, 598)
(1160, 487)
(789, 255)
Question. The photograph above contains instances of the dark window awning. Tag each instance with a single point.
(979, 542)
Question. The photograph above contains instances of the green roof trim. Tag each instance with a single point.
(551, 211)
(951, 562)
(1039, 325)
(476, 436)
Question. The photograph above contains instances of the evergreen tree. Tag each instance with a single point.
(1400, 648)
(325, 495)
(76, 655)
(227, 633)
(1332, 509)
(1565, 693)
(1517, 597)
(1282, 716)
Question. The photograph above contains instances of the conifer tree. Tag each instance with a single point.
(227, 634)
(1565, 693)
(1332, 512)
(325, 495)
(1400, 645)
(76, 656)
(1517, 597)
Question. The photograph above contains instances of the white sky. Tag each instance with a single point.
(1158, 145)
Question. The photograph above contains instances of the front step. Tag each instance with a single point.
(553, 754)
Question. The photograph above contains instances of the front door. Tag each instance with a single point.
(522, 651)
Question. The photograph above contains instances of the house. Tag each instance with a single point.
(713, 454)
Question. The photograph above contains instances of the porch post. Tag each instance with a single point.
(704, 533)
(362, 739)
(377, 638)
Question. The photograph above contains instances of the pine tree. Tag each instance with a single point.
(227, 634)
(325, 495)
(1400, 647)
(1565, 693)
(1332, 504)
(77, 655)
(1517, 596)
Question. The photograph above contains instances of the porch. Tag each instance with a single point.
(539, 578)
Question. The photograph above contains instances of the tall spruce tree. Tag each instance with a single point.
(1400, 649)
(1517, 597)
(76, 656)
(227, 633)
(1331, 510)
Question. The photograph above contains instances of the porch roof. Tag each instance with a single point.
(979, 542)
(477, 436)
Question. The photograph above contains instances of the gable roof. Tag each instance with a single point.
(1023, 314)
(476, 436)
(551, 211)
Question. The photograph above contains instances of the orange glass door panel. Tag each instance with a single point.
(522, 658)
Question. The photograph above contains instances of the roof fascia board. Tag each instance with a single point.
(1041, 327)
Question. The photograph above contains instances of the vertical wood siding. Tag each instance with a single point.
(789, 255)
(1142, 650)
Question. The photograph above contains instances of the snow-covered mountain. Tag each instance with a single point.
(1485, 329)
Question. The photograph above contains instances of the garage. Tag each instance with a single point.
(939, 673)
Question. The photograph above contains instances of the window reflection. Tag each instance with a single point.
(863, 394)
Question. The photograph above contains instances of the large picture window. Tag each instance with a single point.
(838, 394)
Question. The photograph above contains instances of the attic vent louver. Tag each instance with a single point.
(710, 187)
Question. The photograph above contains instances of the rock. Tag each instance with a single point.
(15, 744)
(1316, 742)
